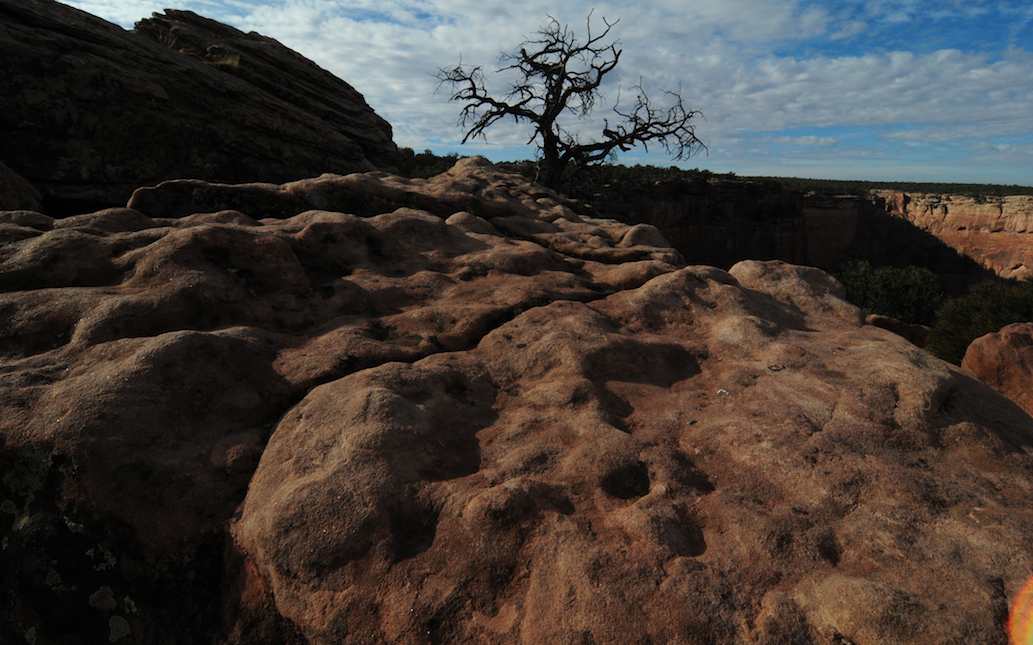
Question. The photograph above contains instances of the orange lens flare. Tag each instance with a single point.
(1020, 624)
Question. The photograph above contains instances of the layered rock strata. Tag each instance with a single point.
(997, 232)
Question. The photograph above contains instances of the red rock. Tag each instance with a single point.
(997, 232)
(1004, 359)
(455, 410)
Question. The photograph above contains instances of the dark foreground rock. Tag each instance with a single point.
(15, 192)
(1004, 359)
(371, 409)
(89, 111)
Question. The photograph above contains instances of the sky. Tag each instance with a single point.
(906, 90)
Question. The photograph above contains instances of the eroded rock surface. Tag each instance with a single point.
(371, 409)
(1004, 359)
(91, 111)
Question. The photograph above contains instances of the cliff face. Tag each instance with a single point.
(723, 222)
(997, 232)
(89, 111)
(717, 222)
(454, 410)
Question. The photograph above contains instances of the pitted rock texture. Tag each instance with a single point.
(452, 410)
(91, 111)
(997, 232)
(1004, 359)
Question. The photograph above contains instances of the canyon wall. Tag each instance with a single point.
(962, 239)
(996, 232)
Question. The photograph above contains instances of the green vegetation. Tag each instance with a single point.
(983, 310)
(914, 295)
(911, 294)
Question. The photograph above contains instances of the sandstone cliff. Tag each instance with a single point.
(89, 111)
(373, 409)
(722, 221)
(997, 232)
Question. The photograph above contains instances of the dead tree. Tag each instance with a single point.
(557, 74)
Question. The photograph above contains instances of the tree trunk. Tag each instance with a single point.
(550, 167)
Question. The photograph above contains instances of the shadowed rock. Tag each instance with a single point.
(91, 111)
(16, 193)
(917, 334)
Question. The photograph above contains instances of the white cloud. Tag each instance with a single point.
(728, 57)
(808, 140)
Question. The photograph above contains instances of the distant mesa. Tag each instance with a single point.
(90, 111)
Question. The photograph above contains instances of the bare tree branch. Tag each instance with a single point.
(558, 73)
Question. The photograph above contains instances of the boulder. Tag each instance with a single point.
(90, 111)
(1004, 359)
(454, 410)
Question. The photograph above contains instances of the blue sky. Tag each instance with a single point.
(863, 89)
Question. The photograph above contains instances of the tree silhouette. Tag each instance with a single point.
(559, 73)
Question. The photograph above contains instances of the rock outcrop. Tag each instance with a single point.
(997, 232)
(372, 409)
(89, 111)
(15, 192)
(1004, 359)
(723, 221)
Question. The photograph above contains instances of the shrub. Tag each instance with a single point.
(985, 309)
(911, 294)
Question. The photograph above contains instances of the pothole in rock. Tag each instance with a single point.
(629, 481)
